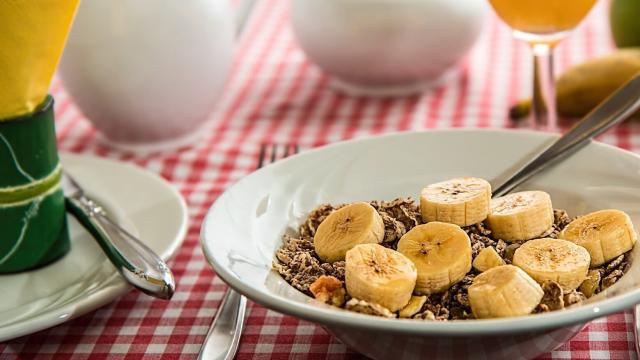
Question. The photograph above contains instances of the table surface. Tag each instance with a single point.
(275, 95)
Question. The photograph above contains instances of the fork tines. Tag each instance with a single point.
(274, 151)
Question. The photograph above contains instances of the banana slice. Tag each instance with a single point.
(441, 252)
(504, 291)
(521, 216)
(461, 201)
(357, 223)
(379, 275)
(553, 259)
(486, 259)
(590, 285)
(413, 307)
(606, 234)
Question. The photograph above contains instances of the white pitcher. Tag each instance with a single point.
(147, 73)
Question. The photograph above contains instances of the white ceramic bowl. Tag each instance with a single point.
(244, 227)
(148, 73)
(386, 47)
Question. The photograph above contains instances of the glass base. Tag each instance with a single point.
(550, 39)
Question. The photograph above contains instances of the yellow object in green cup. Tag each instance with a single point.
(32, 204)
(32, 34)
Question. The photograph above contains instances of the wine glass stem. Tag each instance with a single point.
(544, 90)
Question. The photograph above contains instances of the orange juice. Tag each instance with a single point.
(542, 17)
(32, 35)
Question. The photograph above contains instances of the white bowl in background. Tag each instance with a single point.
(148, 73)
(386, 47)
(243, 230)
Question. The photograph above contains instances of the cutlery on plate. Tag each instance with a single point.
(135, 261)
(224, 334)
(615, 109)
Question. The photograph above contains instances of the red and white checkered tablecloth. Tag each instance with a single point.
(275, 95)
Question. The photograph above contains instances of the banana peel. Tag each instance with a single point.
(581, 88)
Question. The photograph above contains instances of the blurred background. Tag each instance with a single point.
(192, 92)
(273, 89)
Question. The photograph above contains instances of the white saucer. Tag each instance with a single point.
(84, 279)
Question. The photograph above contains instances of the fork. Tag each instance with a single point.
(224, 334)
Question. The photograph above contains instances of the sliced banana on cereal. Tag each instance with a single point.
(590, 285)
(379, 275)
(606, 234)
(462, 201)
(351, 225)
(520, 216)
(413, 307)
(504, 291)
(486, 259)
(554, 260)
(441, 253)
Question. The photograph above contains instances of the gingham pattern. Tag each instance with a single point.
(276, 95)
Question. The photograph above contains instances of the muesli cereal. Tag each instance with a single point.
(398, 225)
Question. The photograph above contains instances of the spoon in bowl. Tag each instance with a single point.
(612, 111)
(615, 109)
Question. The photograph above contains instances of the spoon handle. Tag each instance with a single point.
(616, 108)
(136, 262)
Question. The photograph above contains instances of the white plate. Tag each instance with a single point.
(243, 229)
(84, 279)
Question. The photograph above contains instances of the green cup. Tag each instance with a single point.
(33, 225)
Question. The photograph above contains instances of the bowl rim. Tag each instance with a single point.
(326, 315)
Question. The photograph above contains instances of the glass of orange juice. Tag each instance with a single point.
(542, 24)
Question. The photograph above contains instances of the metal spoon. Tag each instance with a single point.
(135, 261)
(615, 109)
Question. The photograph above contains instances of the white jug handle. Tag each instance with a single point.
(242, 15)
